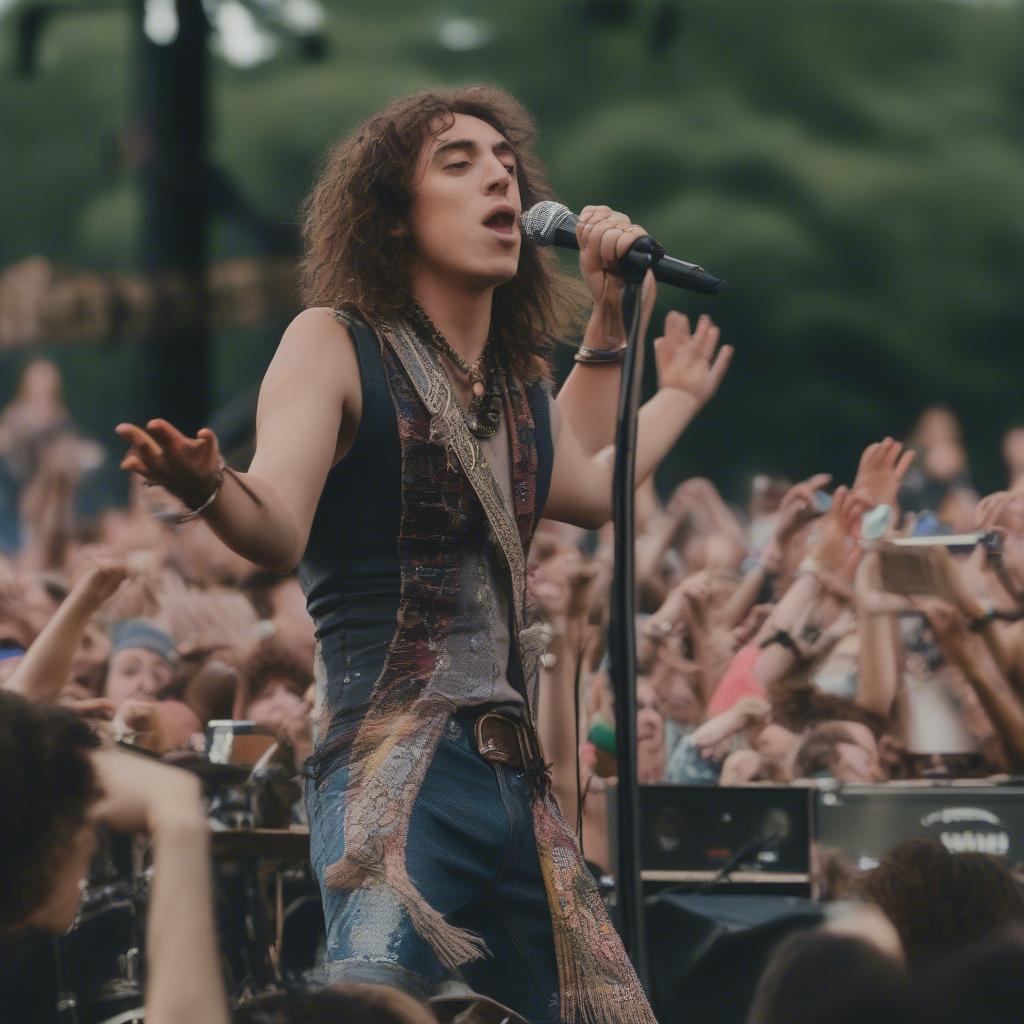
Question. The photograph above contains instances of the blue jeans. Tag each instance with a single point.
(471, 854)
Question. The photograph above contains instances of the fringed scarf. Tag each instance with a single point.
(408, 710)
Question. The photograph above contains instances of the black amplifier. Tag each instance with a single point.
(759, 838)
(865, 822)
(736, 839)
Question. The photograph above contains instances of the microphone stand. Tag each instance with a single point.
(622, 628)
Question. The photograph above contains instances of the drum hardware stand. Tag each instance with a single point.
(67, 1001)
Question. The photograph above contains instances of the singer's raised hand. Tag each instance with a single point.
(691, 362)
(185, 466)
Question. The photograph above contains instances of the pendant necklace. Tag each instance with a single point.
(483, 415)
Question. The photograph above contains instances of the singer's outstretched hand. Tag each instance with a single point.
(691, 362)
(162, 454)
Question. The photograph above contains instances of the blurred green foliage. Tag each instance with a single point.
(855, 168)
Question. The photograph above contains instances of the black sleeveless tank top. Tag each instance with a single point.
(351, 572)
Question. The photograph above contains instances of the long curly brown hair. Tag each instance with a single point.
(353, 261)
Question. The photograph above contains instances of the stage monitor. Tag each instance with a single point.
(760, 836)
(865, 822)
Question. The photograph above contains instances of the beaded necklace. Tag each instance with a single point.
(484, 413)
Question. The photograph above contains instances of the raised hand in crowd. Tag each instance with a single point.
(883, 465)
(834, 552)
(697, 499)
(798, 508)
(45, 669)
(141, 595)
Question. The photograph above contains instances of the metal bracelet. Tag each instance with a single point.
(586, 354)
(176, 518)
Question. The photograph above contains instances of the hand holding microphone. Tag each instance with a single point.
(550, 223)
(604, 237)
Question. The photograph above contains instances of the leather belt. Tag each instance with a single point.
(502, 739)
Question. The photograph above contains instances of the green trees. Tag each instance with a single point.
(855, 168)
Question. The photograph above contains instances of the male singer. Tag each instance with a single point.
(407, 445)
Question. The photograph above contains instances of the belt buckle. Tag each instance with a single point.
(489, 749)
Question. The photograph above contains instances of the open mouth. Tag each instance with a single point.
(504, 222)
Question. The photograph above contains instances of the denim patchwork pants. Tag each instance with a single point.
(471, 854)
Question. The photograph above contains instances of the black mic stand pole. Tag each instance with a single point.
(622, 629)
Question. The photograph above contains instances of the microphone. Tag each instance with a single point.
(551, 223)
(771, 831)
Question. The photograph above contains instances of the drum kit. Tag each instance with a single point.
(267, 902)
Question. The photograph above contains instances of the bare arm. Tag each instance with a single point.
(183, 979)
(880, 648)
(561, 588)
(589, 398)
(690, 368)
(745, 596)
(556, 711)
(993, 691)
(796, 510)
(652, 543)
(43, 671)
(310, 397)
(180, 936)
(704, 497)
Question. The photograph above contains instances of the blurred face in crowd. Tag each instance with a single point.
(274, 705)
(944, 460)
(766, 493)
(777, 744)
(674, 680)
(137, 672)
(937, 426)
(41, 382)
(464, 220)
(650, 733)
(858, 760)
(722, 554)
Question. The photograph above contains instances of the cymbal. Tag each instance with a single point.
(251, 843)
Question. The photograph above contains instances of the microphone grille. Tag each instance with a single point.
(541, 221)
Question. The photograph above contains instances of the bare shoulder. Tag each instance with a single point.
(317, 349)
(316, 330)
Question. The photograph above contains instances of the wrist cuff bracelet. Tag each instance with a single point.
(188, 517)
(586, 354)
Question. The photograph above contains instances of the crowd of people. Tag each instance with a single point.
(774, 647)
(773, 644)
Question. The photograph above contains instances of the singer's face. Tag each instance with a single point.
(465, 214)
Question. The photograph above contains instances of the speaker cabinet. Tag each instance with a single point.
(865, 822)
(760, 834)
